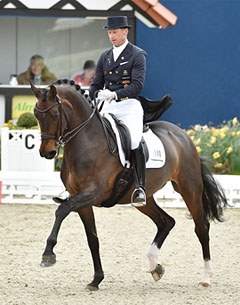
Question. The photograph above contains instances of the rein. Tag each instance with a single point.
(63, 138)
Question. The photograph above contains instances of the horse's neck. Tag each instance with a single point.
(89, 139)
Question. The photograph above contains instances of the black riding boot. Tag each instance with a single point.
(138, 197)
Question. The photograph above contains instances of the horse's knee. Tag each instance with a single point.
(63, 210)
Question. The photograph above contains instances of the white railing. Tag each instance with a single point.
(30, 187)
(167, 197)
(40, 187)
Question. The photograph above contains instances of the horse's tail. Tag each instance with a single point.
(214, 199)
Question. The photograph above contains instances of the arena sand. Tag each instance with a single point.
(125, 235)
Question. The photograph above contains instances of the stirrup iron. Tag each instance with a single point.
(138, 197)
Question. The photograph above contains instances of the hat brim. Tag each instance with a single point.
(117, 27)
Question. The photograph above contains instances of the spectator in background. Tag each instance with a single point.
(37, 72)
(88, 74)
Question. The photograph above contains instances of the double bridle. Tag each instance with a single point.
(63, 136)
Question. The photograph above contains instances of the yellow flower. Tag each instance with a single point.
(218, 165)
(216, 155)
(197, 141)
(235, 121)
(190, 132)
(213, 140)
(197, 127)
(229, 150)
(215, 132)
(222, 134)
(60, 156)
(198, 149)
(224, 129)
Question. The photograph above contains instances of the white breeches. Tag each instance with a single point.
(130, 112)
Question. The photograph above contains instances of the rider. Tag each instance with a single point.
(120, 76)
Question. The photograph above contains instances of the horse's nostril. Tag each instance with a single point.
(51, 154)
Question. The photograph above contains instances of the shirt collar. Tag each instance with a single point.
(118, 50)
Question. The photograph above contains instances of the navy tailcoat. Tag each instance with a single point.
(125, 76)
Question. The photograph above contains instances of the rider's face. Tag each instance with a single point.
(117, 36)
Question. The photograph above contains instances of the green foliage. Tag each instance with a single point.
(27, 120)
(59, 159)
(219, 144)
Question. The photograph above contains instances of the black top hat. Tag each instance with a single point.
(117, 22)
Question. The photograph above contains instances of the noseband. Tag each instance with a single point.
(62, 137)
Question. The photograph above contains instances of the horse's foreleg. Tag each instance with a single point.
(164, 224)
(88, 220)
(48, 257)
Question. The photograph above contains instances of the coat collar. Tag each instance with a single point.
(124, 56)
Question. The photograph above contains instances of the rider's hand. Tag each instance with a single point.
(106, 95)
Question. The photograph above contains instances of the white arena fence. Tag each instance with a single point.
(39, 187)
(28, 178)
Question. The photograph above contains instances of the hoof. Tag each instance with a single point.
(90, 287)
(158, 272)
(48, 260)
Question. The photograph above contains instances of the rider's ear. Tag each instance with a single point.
(53, 91)
(35, 90)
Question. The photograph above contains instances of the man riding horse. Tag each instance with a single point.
(120, 76)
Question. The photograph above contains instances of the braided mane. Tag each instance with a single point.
(69, 83)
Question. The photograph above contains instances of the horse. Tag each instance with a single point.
(90, 169)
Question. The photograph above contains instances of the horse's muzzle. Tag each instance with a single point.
(49, 154)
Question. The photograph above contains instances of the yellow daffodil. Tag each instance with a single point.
(198, 148)
(216, 155)
(213, 139)
(235, 121)
(218, 165)
(190, 132)
(197, 141)
(229, 150)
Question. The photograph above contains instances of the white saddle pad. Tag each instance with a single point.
(157, 156)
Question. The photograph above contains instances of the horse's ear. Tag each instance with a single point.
(35, 90)
(53, 91)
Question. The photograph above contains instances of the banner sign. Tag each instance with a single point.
(21, 104)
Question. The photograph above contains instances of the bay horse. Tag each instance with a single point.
(90, 168)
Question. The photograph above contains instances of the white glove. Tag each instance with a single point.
(106, 95)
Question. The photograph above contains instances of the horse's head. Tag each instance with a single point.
(52, 117)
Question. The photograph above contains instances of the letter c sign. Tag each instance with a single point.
(28, 144)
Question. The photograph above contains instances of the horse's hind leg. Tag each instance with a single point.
(164, 224)
(193, 200)
(87, 217)
(48, 257)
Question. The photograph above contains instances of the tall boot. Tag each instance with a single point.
(138, 197)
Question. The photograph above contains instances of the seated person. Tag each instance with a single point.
(37, 72)
(88, 74)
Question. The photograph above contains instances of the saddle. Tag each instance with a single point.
(153, 109)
